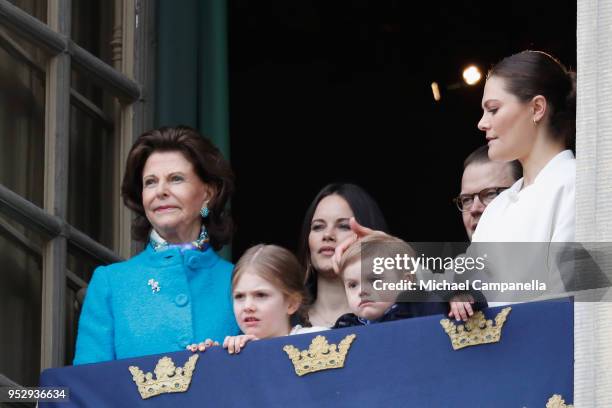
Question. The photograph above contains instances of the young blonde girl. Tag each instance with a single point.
(267, 289)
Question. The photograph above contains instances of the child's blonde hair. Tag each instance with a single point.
(276, 265)
(371, 246)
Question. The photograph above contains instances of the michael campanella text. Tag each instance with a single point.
(444, 285)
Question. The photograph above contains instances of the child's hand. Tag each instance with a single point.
(202, 346)
(359, 231)
(461, 307)
(233, 344)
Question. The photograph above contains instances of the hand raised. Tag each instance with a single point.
(359, 231)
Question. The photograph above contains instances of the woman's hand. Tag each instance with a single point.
(202, 346)
(461, 307)
(233, 344)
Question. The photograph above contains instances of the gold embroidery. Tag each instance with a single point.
(477, 330)
(168, 377)
(320, 355)
(557, 402)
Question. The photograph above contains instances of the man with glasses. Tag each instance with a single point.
(482, 181)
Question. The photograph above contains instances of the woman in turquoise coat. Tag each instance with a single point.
(177, 291)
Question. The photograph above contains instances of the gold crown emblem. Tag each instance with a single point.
(556, 401)
(477, 330)
(320, 355)
(168, 377)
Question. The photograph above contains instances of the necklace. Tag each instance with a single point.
(159, 244)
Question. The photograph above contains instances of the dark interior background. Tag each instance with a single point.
(324, 91)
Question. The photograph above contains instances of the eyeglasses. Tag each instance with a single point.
(465, 201)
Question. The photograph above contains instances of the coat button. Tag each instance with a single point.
(181, 300)
(192, 262)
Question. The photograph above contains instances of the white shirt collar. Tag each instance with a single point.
(550, 168)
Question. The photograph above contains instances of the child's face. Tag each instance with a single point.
(359, 294)
(260, 307)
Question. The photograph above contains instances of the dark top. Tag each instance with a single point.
(428, 303)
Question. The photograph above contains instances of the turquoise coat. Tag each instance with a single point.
(123, 316)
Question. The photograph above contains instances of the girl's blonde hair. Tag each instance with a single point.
(279, 267)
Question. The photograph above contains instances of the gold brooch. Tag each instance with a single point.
(168, 377)
(557, 402)
(477, 330)
(320, 355)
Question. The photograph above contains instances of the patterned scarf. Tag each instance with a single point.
(159, 244)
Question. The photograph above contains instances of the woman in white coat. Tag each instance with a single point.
(529, 115)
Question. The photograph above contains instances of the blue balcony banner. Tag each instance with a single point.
(396, 364)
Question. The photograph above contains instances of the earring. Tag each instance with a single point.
(204, 211)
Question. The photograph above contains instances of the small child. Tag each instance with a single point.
(267, 288)
(370, 305)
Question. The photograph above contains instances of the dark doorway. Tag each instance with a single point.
(324, 91)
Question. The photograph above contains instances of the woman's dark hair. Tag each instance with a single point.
(208, 164)
(481, 155)
(366, 211)
(531, 73)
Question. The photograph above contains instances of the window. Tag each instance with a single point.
(72, 75)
